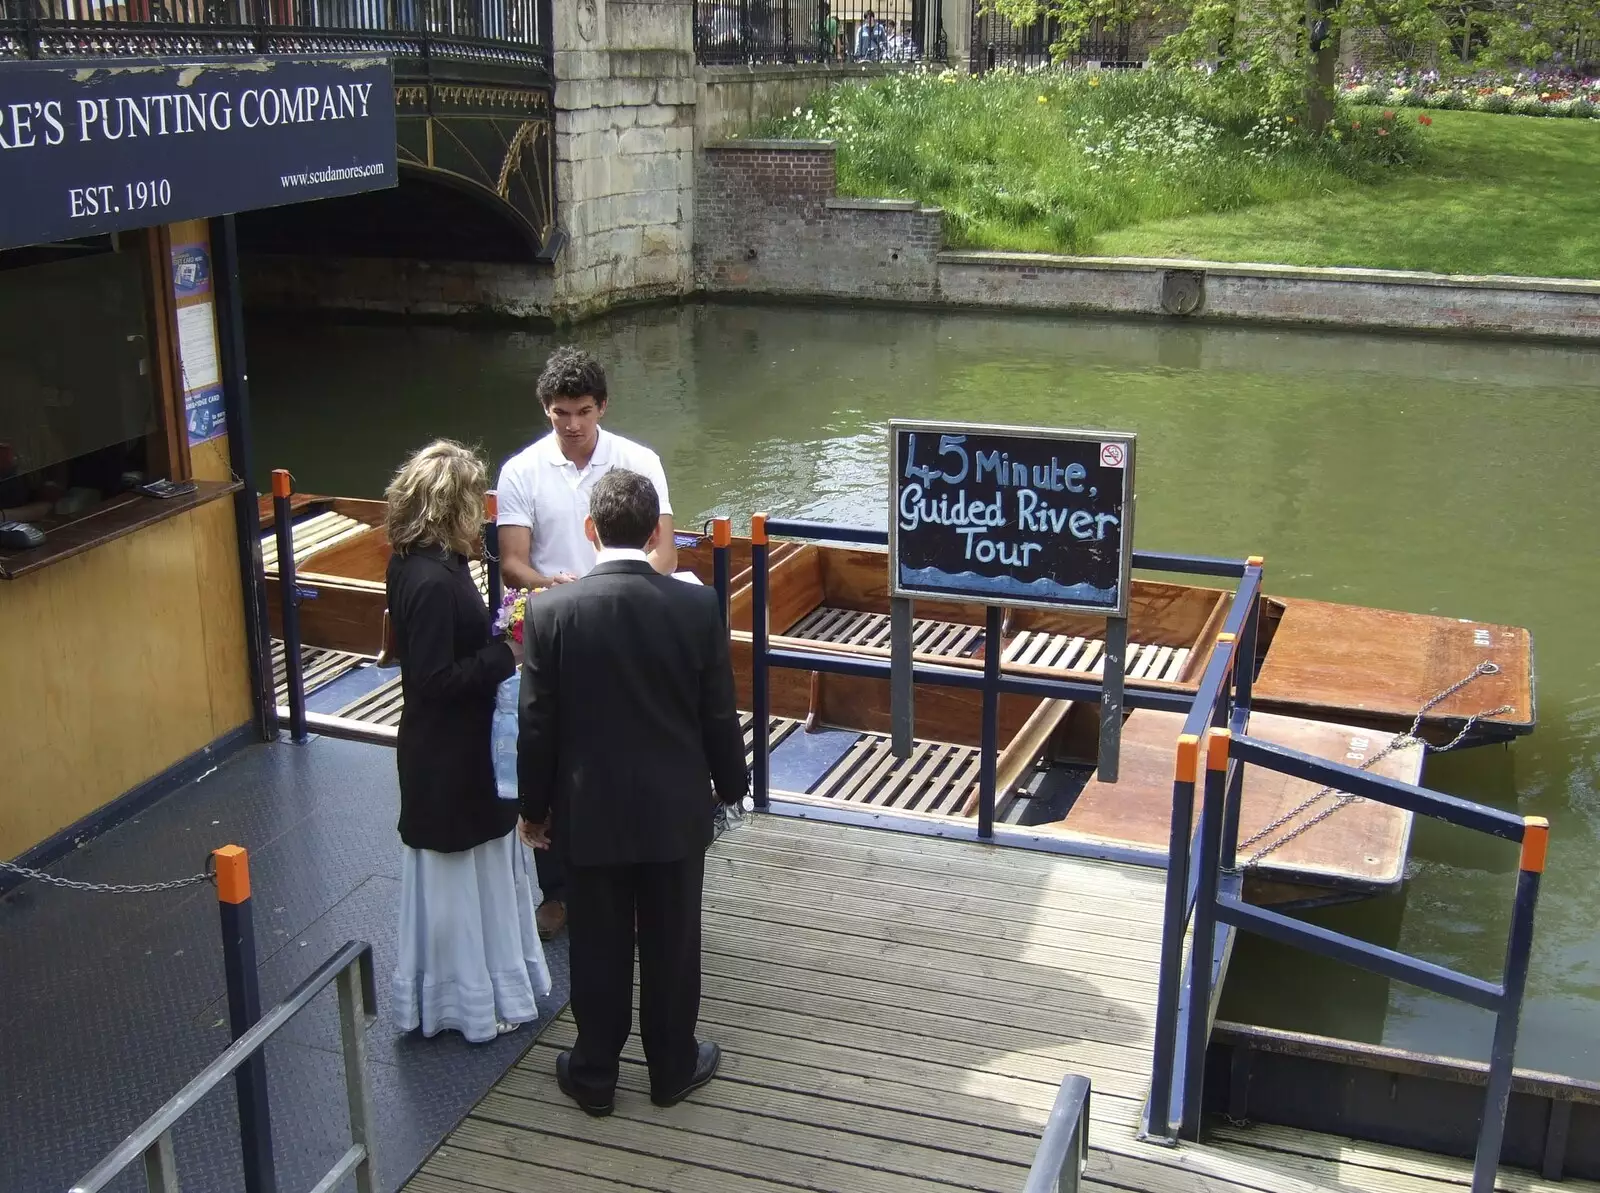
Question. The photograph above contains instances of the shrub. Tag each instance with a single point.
(1585, 108)
(1450, 101)
(1527, 105)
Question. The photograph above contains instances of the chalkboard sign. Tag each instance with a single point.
(1011, 515)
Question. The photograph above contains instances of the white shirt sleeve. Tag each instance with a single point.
(514, 497)
(650, 466)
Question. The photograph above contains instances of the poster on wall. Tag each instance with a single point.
(203, 412)
(191, 270)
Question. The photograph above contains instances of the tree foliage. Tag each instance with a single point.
(1281, 52)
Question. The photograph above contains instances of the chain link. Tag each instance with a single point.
(1404, 741)
(109, 888)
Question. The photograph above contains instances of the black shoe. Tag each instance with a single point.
(564, 1082)
(705, 1068)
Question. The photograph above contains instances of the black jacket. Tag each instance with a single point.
(628, 718)
(449, 670)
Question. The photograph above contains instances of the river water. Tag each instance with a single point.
(1440, 476)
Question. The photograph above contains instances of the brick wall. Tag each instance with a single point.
(768, 221)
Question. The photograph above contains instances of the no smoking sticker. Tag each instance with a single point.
(1113, 455)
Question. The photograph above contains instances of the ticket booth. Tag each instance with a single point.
(133, 638)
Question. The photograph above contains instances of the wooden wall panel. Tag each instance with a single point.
(221, 596)
(119, 663)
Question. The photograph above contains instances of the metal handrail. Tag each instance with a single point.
(351, 968)
(1064, 1148)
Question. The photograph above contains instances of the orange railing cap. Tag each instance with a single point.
(281, 482)
(1256, 561)
(1188, 770)
(233, 873)
(491, 506)
(1217, 743)
(1535, 843)
(758, 529)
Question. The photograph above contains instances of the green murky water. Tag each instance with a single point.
(1430, 475)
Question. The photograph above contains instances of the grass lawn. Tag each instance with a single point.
(1496, 194)
(1172, 164)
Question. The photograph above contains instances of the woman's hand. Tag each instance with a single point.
(534, 836)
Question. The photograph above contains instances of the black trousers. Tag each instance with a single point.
(551, 868)
(602, 903)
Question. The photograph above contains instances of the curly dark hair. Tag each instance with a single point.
(572, 373)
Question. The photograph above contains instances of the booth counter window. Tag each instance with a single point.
(87, 399)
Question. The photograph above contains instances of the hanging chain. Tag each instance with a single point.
(1404, 741)
(111, 888)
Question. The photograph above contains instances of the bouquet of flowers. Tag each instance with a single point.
(513, 611)
(508, 622)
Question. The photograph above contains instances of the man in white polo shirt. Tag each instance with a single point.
(543, 498)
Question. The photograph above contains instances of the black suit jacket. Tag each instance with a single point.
(449, 670)
(628, 718)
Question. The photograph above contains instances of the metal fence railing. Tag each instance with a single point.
(1203, 887)
(748, 32)
(997, 42)
(509, 32)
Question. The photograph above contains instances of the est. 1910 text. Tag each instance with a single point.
(88, 201)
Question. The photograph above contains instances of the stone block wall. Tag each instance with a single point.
(731, 100)
(770, 222)
(625, 103)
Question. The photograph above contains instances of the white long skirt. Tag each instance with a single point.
(469, 954)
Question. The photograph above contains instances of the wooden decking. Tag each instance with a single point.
(895, 1014)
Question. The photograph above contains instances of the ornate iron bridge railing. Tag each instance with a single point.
(424, 37)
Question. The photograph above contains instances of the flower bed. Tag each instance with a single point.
(1524, 93)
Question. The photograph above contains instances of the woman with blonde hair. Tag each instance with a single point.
(469, 957)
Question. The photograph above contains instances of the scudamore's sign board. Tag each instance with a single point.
(99, 147)
(1011, 515)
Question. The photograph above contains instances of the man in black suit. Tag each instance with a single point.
(628, 722)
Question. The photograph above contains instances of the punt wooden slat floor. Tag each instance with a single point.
(854, 627)
(896, 1013)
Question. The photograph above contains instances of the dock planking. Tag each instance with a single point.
(895, 1013)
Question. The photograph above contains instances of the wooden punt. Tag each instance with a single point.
(1371, 668)
(341, 557)
(1048, 783)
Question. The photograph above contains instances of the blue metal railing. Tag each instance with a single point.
(1064, 1147)
(1217, 745)
(1184, 858)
